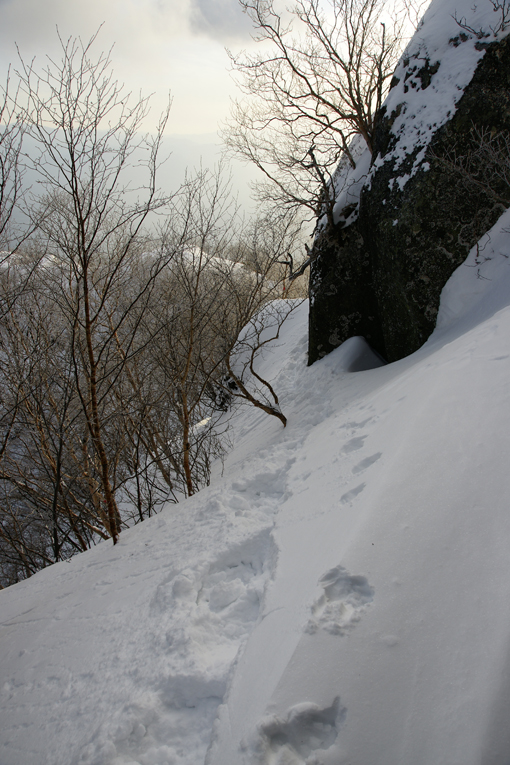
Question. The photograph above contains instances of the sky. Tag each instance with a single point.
(160, 46)
(167, 48)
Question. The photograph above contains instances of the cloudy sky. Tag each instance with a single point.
(159, 46)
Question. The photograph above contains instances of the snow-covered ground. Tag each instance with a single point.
(339, 595)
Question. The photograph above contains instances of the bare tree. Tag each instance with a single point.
(12, 130)
(319, 81)
(245, 381)
(222, 273)
(502, 10)
(115, 355)
(165, 341)
(48, 509)
(15, 227)
(86, 133)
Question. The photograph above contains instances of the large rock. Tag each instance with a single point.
(381, 277)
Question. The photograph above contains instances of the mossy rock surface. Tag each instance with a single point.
(382, 276)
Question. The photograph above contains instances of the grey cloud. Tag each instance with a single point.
(222, 20)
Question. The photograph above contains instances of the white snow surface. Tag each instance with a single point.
(350, 181)
(339, 594)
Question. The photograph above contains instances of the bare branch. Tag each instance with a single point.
(313, 91)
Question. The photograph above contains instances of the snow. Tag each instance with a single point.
(338, 595)
(476, 299)
(349, 181)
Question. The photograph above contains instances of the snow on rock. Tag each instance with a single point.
(349, 182)
(380, 270)
(429, 81)
(440, 62)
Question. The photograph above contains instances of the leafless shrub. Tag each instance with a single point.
(12, 131)
(501, 8)
(85, 128)
(114, 354)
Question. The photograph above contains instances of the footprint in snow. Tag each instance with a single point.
(344, 598)
(353, 444)
(298, 737)
(364, 464)
(265, 484)
(352, 425)
(350, 495)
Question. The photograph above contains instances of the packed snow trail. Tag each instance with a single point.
(153, 624)
(385, 635)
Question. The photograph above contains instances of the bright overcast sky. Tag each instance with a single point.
(159, 46)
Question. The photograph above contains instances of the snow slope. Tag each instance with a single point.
(386, 629)
(339, 595)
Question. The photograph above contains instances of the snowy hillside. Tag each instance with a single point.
(339, 595)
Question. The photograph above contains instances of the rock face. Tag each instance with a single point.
(381, 277)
